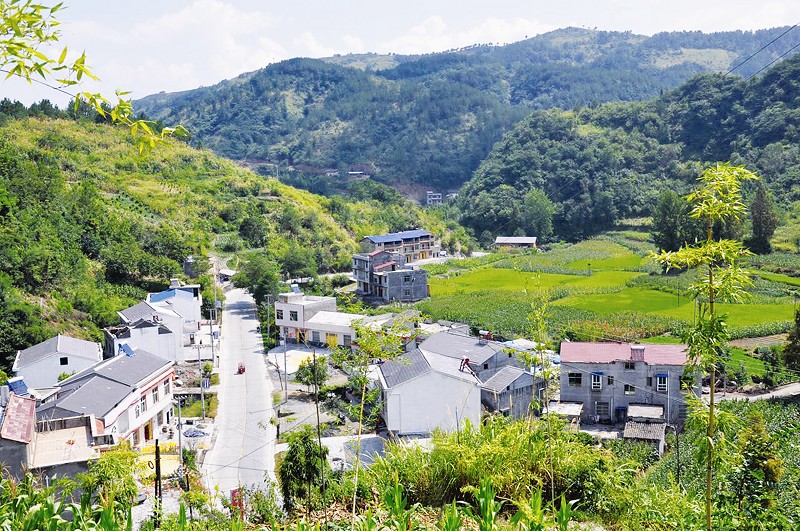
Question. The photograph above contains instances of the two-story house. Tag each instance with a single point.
(382, 275)
(130, 395)
(293, 311)
(147, 334)
(42, 364)
(608, 377)
(412, 245)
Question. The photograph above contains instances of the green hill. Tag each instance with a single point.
(429, 120)
(608, 162)
(88, 225)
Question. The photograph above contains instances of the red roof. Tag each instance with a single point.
(384, 266)
(374, 253)
(19, 419)
(575, 352)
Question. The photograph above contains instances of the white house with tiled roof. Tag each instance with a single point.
(608, 377)
(41, 364)
(422, 392)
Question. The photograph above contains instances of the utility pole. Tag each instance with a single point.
(213, 353)
(269, 319)
(180, 427)
(200, 363)
(157, 508)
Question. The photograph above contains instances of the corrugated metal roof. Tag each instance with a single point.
(450, 366)
(143, 310)
(167, 294)
(59, 345)
(19, 419)
(648, 411)
(647, 431)
(502, 379)
(398, 236)
(404, 367)
(512, 240)
(577, 352)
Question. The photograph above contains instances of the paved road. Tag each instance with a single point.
(245, 442)
(784, 391)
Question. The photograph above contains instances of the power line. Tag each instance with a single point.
(761, 49)
(784, 54)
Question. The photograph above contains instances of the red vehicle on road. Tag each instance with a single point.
(240, 369)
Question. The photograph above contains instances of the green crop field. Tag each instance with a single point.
(597, 288)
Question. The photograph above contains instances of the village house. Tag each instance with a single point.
(293, 311)
(515, 242)
(484, 375)
(608, 377)
(382, 276)
(412, 245)
(164, 317)
(433, 198)
(185, 300)
(42, 364)
(150, 335)
(129, 395)
(646, 423)
(422, 392)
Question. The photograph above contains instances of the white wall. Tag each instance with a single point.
(44, 373)
(432, 401)
(148, 339)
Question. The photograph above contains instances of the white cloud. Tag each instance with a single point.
(308, 46)
(434, 34)
(353, 44)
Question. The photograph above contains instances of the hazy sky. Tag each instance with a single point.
(148, 46)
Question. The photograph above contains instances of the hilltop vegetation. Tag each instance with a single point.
(600, 164)
(431, 119)
(89, 225)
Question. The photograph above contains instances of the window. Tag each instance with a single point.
(597, 382)
(682, 411)
(661, 383)
(574, 379)
(485, 366)
(610, 380)
(630, 390)
(143, 403)
(406, 278)
(601, 409)
(166, 387)
(315, 336)
(64, 361)
(649, 381)
(136, 411)
(278, 314)
(293, 315)
(406, 293)
(629, 366)
(155, 394)
(347, 339)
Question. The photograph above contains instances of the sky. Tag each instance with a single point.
(149, 46)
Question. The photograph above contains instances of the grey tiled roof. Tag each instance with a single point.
(139, 311)
(98, 389)
(405, 367)
(458, 345)
(61, 345)
(502, 379)
(648, 431)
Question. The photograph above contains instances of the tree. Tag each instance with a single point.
(759, 468)
(369, 345)
(302, 467)
(259, 274)
(720, 279)
(764, 219)
(312, 373)
(25, 28)
(538, 213)
(672, 226)
(791, 351)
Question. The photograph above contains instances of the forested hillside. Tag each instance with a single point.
(88, 226)
(602, 163)
(431, 119)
